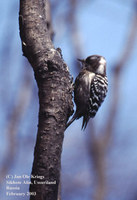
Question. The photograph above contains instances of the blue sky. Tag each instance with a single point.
(103, 27)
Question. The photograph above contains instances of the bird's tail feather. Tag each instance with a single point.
(70, 122)
(85, 121)
(75, 116)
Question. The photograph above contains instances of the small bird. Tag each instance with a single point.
(90, 88)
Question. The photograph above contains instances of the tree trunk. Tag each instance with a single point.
(55, 96)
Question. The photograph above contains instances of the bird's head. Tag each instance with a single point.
(95, 64)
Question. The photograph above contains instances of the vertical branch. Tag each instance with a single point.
(97, 151)
(55, 98)
(74, 31)
(116, 77)
(98, 146)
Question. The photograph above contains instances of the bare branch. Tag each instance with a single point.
(116, 77)
(74, 31)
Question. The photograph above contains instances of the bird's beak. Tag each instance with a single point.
(81, 60)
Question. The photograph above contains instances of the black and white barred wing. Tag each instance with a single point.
(99, 88)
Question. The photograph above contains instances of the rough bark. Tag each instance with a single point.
(55, 97)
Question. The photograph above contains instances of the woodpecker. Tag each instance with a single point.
(90, 88)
